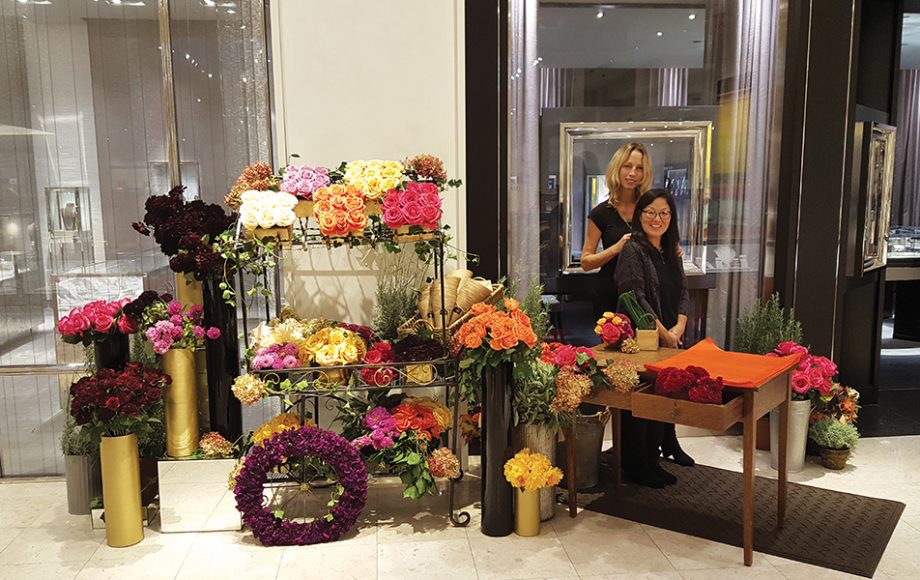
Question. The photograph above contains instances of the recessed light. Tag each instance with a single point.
(600, 13)
(659, 33)
(691, 16)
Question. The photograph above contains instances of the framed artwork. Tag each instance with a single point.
(680, 152)
(878, 170)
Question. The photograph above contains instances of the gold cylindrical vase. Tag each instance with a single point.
(181, 402)
(201, 378)
(121, 491)
(527, 512)
(188, 291)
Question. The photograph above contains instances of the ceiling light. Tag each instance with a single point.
(659, 33)
(600, 13)
(691, 16)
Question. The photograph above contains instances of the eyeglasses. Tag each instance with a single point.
(650, 214)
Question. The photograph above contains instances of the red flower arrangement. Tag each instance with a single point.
(614, 328)
(380, 352)
(813, 377)
(561, 355)
(185, 231)
(118, 402)
(692, 383)
(418, 418)
(418, 205)
(96, 321)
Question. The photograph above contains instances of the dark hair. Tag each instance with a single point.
(670, 240)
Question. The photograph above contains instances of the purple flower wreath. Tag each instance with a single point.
(304, 442)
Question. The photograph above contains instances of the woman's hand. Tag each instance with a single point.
(666, 338)
(618, 247)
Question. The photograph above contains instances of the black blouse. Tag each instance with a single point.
(612, 227)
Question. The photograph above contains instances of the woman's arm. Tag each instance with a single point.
(683, 306)
(590, 257)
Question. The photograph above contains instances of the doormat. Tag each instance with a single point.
(835, 530)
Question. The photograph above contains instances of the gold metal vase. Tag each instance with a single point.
(527, 512)
(121, 491)
(188, 292)
(181, 402)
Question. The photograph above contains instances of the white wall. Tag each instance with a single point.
(359, 79)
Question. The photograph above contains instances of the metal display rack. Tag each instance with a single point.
(313, 384)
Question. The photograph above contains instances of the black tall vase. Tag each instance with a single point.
(497, 493)
(112, 353)
(222, 358)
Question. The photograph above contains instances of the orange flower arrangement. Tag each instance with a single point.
(418, 418)
(339, 210)
(503, 330)
(492, 336)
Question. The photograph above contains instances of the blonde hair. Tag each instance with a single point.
(618, 160)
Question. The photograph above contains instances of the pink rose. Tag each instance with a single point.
(127, 325)
(565, 355)
(432, 199)
(431, 214)
(393, 217)
(392, 199)
(103, 323)
(610, 333)
(427, 188)
(800, 383)
(214, 333)
(410, 196)
(413, 213)
(585, 351)
(827, 366)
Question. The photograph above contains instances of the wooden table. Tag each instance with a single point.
(749, 405)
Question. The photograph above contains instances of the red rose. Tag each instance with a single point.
(112, 403)
(413, 213)
(103, 322)
(128, 325)
(373, 357)
(610, 333)
(565, 355)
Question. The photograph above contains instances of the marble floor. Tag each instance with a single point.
(402, 539)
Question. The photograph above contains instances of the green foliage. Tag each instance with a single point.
(76, 441)
(759, 330)
(629, 305)
(534, 390)
(397, 292)
(142, 351)
(832, 434)
(532, 306)
(253, 256)
(151, 438)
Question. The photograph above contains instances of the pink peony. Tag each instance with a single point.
(199, 332)
(214, 334)
(174, 307)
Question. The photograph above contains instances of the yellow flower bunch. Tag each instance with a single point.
(335, 346)
(374, 178)
(441, 413)
(622, 375)
(248, 389)
(281, 423)
(528, 470)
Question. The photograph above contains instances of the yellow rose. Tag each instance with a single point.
(617, 320)
(601, 321)
(608, 314)
(327, 356)
(598, 329)
(350, 353)
(336, 336)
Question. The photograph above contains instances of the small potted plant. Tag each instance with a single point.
(646, 334)
(836, 439)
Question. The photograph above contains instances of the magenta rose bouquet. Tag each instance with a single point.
(96, 321)
(417, 205)
(813, 376)
(276, 357)
(170, 325)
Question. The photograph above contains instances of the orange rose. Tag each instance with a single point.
(353, 202)
(481, 308)
(326, 223)
(322, 207)
(321, 194)
(473, 340)
(508, 342)
(341, 222)
(357, 221)
(338, 202)
(337, 189)
(511, 304)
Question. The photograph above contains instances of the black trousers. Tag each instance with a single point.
(641, 443)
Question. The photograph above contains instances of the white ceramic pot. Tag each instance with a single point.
(799, 412)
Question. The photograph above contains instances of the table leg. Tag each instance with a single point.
(617, 427)
(570, 459)
(782, 472)
(750, 429)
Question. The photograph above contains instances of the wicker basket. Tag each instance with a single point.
(412, 325)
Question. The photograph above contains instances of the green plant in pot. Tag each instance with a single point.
(763, 327)
(81, 467)
(836, 439)
(646, 329)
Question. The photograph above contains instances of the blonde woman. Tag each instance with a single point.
(629, 175)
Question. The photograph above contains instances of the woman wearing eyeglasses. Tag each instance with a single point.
(629, 175)
(651, 266)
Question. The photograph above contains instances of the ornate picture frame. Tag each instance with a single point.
(682, 159)
(876, 213)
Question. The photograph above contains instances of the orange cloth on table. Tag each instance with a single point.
(737, 369)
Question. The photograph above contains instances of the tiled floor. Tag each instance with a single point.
(404, 539)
